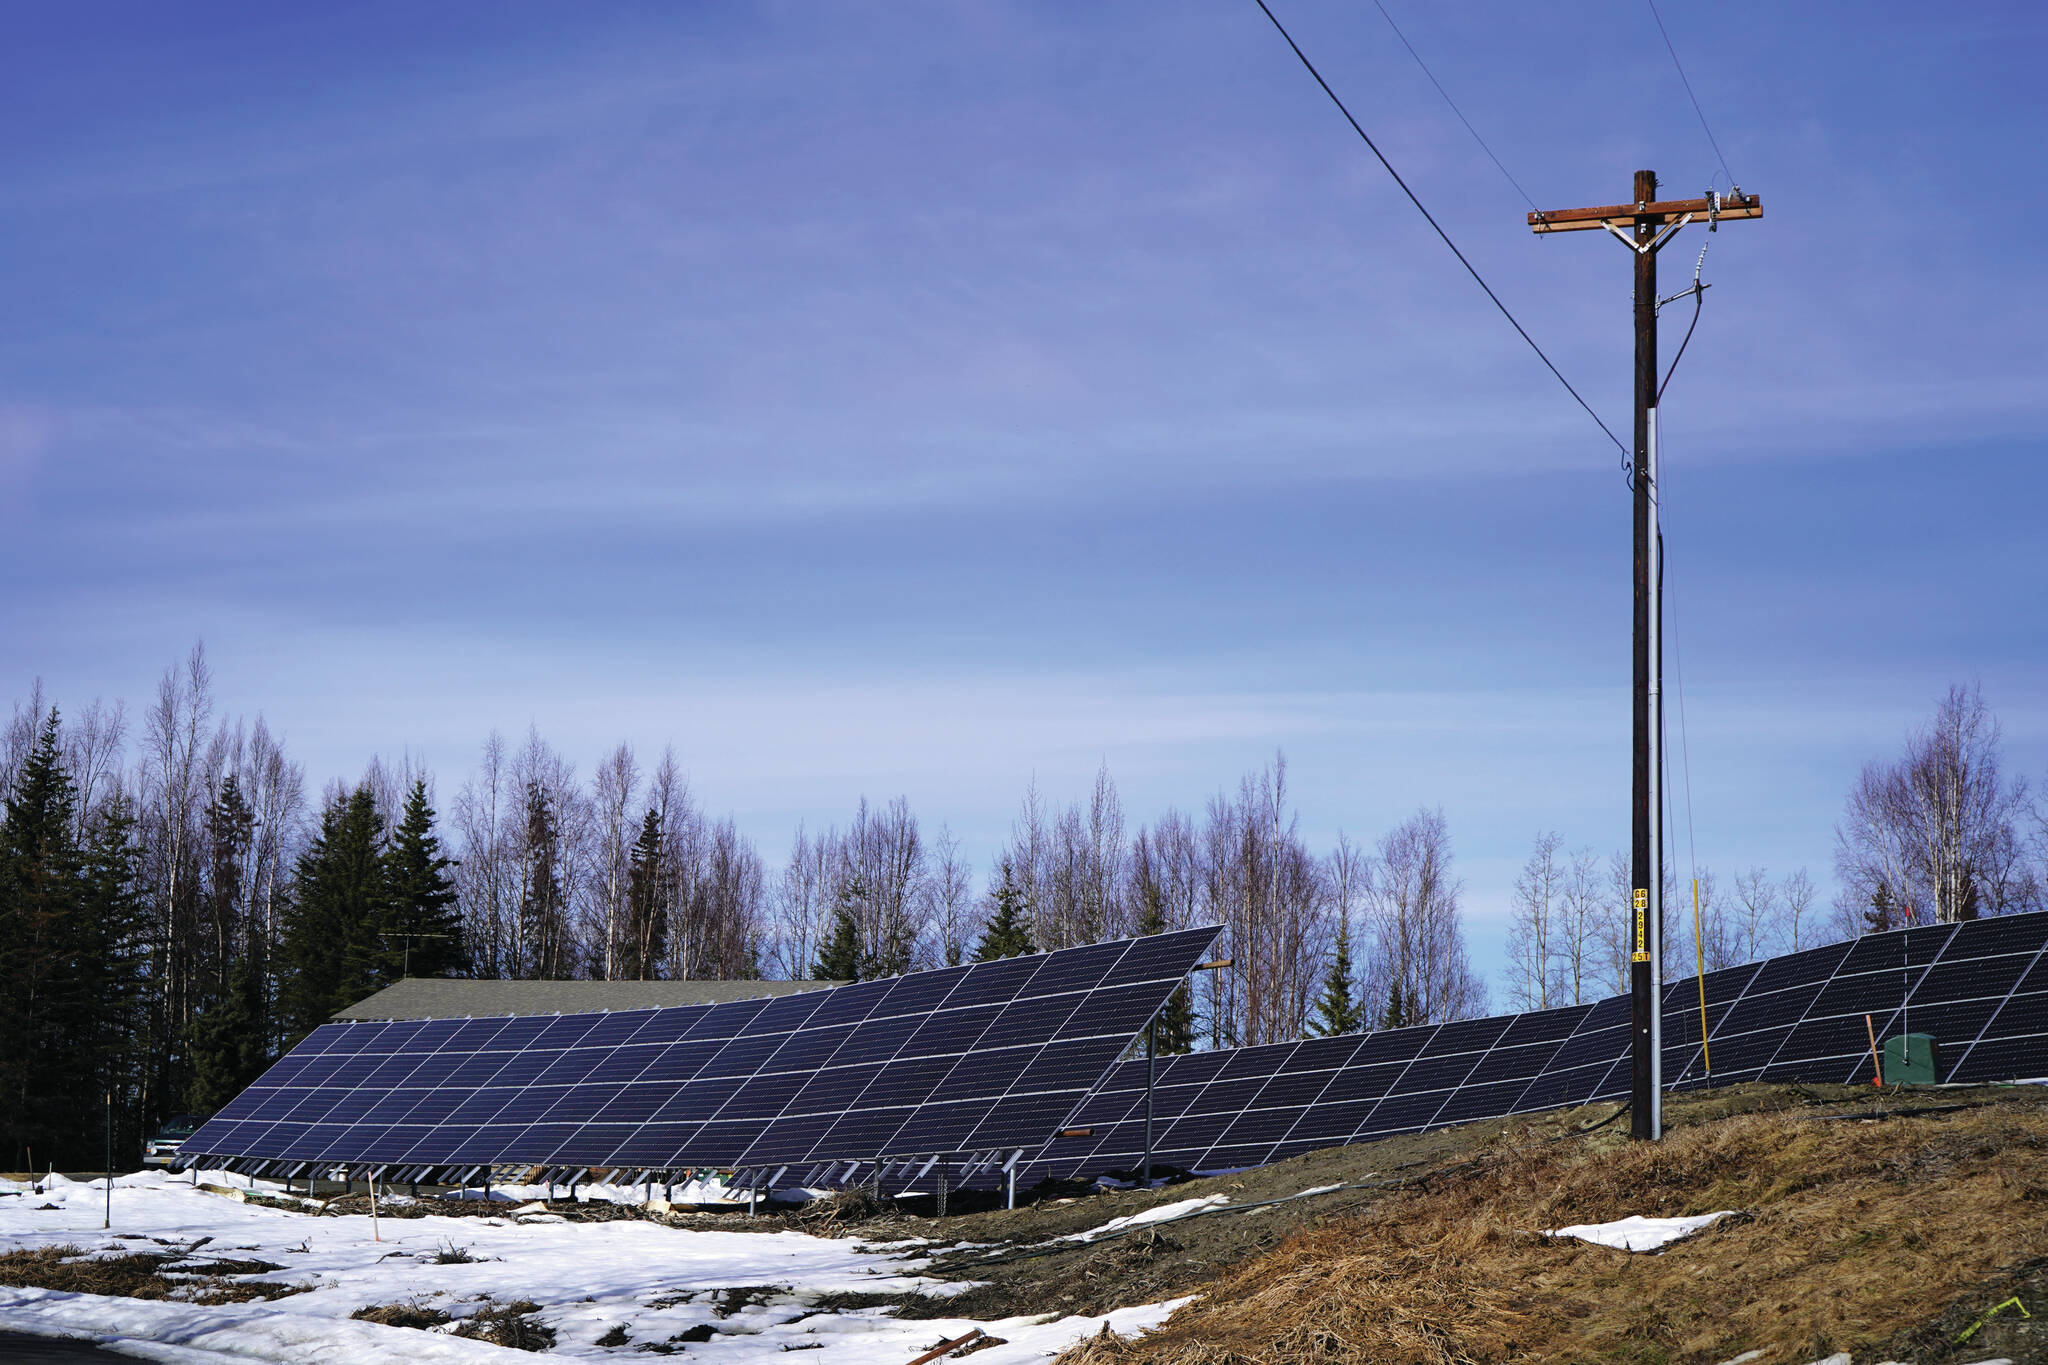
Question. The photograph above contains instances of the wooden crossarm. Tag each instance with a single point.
(1663, 212)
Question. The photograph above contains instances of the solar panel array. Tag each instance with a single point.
(1980, 988)
(963, 1060)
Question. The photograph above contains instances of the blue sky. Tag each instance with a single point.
(921, 398)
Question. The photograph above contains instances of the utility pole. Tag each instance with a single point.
(1644, 226)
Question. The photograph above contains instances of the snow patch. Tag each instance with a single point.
(1637, 1233)
(1162, 1214)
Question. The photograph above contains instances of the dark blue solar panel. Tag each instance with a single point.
(1113, 1010)
(1149, 958)
(743, 1056)
(1544, 1026)
(1294, 1088)
(1076, 969)
(994, 983)
(698, 1099)
(1466, 1035)
(787, 1012)
(1809, 968)
(619, 1065)
(876, 1040)
(1255, 1062)
(923, 992)
(873, 1130)
(728, 1020)
(1481, 1100)
(850, 1004)
(651, 1144)
(2002, 934)
(566, 1030)
(573, 1066)
(474, 1035)
(671, 1025)
(762, 1097)
(1057, 1064)
(631, 1104)
(951, 1029)
(1029, 1019)
(1323, 1054)
(1973, 978)
(1435, 1073)
(394, 1069)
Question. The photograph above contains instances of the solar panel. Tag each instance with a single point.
(1980, 987)
(952, 1061)
(1004, 1055)
(2014, 1041)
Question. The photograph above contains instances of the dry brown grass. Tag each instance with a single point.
(410, 1313)
(1855, 1230)
(509, 1324)
(142, 1275)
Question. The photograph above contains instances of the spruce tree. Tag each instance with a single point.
(227, 1042)
(1398, 1010)
(230, 829)
(421, 926)
(1008, 933)
(543, 922)
(1883, 911)
(332, 942)
(113, 958)
(840, 959)
(646, 903)
(42, 1009)
(1339, 1011)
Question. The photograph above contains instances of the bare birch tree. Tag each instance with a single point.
(1936, 833)
(1755, 917)
(1534, 929)
(615, 826)
(803, 906)
(951, 905)
(485, 878)
(1796, 897)
(1581, 932)
(1424, 975)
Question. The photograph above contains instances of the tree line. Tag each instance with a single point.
(176, 908)
(1937, 835)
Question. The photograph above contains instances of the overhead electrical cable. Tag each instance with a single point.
(1704, 127)
(1431, 219)
(1454, 107)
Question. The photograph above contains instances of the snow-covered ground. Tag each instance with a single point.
(588, 1278)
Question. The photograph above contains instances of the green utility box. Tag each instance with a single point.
(1912, 1059)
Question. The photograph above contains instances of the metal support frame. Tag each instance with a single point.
(1151, 1058)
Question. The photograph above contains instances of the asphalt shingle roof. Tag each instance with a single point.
(426, 997)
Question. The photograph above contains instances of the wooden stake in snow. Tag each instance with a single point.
(946, 1346)
(375, 1235)
(1877, 1077)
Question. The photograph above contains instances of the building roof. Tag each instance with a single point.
(435, 997)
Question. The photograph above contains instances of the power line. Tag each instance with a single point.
(1454, 105)
(1688, 91)
(1374, 148)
